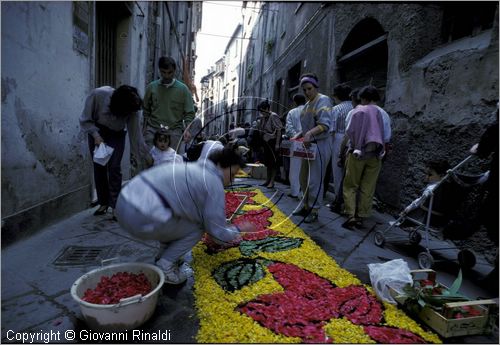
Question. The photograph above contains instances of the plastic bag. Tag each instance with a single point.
(395, 274)
(102, 154)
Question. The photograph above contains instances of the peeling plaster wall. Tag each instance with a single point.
(440, 96)
(46, 163)
(44, 83)
(413, 30)
(446, 99)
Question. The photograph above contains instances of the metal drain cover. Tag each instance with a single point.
(79, 255)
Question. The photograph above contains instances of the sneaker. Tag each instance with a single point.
(172, 273)
(185, 269)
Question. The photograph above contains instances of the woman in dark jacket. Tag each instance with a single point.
(107, 117)
(270, 127)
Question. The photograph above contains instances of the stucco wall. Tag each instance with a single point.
(46, 164)
(446, 100)
(440, 96)
(44, 83)
(413, 30)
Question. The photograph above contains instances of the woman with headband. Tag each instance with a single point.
(316, 119)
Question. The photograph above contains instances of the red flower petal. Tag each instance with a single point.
(389, 335)
(110, 290)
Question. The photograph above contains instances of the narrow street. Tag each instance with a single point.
(96, 93)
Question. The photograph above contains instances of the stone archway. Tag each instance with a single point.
(363, 56)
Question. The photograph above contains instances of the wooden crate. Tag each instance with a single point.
(458, 327)
(443, 323)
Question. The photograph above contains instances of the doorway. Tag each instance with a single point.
(363, 57)
(108, 16)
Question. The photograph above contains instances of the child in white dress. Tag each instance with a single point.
(161, 151)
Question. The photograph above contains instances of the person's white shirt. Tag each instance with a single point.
(293, 125)
(236, 133)
(168, 156)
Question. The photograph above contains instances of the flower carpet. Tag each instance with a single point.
(279, 286)
(241, 174)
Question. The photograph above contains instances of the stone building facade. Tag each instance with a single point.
(214, 108)
(53, 54)
(436, 65)
(220, 88)
(232, 54)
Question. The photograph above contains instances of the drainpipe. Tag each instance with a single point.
(263, 57)
(157, 52)
(174, 24)
(92, 48)
(240, 72)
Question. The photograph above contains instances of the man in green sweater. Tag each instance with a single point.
(168, 102)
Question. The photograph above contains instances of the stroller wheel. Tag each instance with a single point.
(415, 237)
(379, 238)
(425, 260)
(466, 259)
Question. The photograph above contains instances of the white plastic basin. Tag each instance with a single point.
(130, 312)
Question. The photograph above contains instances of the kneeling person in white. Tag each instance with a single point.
(176, 203)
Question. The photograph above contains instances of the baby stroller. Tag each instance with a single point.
(442, 206)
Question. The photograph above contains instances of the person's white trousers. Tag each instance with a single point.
(179, 235)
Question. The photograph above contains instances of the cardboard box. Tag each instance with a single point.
(285, 148)
(443, 323)
(258, 171)
(295, 148)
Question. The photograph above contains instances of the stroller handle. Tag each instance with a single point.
(450, 171)
(460, 164)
